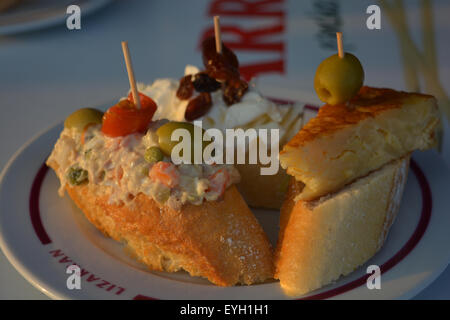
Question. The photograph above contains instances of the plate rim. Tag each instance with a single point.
(16, 263)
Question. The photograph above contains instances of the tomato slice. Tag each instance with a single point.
(124, 118)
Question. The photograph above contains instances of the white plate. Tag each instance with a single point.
(42, 234)
(33, 15)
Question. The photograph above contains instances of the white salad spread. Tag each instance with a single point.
(252, 111)
(119, 164)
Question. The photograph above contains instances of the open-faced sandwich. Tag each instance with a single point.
(117, 168)
(221, 99)
(348, 165)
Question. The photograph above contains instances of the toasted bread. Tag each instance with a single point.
(262, 191)
(345, 142)
(321, 240)
(219, 240)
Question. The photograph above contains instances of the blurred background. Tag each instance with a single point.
(47, 70)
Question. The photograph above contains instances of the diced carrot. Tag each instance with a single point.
(165, 173)
(218, 181)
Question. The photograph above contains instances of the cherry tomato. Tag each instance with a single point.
(125, 118)
(145, 100)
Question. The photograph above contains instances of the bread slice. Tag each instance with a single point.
(219, 240)
(262, 191)
(345, 142)
(321, 240)
(269, 191)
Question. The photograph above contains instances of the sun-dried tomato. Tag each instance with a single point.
(186, 88)
(204, 83)
(220, 66)
(233, 90)
(198, 106)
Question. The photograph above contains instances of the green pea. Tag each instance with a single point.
(337, 80)
(165, 134)
(153, 155)
(77, 176)
(82, 117)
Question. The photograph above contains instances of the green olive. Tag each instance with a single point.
(153, 155)
(337, 79)
(167, 144)
(80, 118)
(77, 176)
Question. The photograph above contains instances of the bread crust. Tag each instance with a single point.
(346, 142)
(321, 240)
(368, 103)
(219, 240)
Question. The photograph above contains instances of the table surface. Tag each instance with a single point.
(46, 74)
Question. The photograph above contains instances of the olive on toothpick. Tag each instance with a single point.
(339, 77)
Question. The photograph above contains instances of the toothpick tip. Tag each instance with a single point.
(130, 72)
(217, 34)
(340, 44)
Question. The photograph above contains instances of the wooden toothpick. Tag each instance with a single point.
(217, 34)
(340, 45)
(134, 91)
